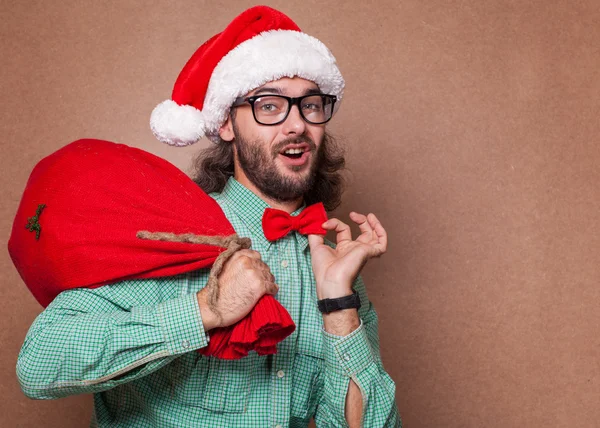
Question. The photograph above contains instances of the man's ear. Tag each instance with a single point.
(226, 130)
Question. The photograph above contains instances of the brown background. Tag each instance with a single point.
(472, 131)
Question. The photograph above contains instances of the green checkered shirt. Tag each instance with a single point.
(133, 345)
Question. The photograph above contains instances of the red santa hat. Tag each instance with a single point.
(259, 46)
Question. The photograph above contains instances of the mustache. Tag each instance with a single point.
(294, 140)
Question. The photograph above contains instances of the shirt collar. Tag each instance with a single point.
(250, 208)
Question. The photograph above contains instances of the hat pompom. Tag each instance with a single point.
(177, 125)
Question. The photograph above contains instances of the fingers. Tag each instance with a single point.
(372, 230)
(249, 253)
(343, 230)
(380, 232)
(269, 275)
(362, 221)
(315, 240)
(271, 288)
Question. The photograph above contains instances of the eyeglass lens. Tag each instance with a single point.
(315, 109)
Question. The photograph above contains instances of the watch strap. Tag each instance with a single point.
(346, 302)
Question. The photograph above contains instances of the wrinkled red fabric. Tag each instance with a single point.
(97, 195)
(277, 223)
(261, 331)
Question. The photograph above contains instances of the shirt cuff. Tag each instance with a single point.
(349, 354)
(182, 325)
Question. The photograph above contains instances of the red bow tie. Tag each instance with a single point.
(277, 223)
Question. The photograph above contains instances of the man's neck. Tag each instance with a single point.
(288, 207)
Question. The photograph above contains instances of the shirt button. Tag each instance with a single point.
(280, 374)
(185, 344)
(277, 426)
(284, 263)
(347, 357)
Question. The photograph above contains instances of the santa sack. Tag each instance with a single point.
(96, 212)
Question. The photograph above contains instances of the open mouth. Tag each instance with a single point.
(293, 155)
(296, 156)
(295, 151)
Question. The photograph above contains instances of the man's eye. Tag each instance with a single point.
(269, 107)
(311, 107)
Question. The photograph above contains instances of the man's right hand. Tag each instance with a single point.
(245, 278)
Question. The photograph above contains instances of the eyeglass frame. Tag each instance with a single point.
(292, 101)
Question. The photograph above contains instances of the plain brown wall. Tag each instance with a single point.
(472, 131)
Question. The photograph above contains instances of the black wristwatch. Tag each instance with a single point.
(347, 302)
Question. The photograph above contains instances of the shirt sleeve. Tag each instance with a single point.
(357, 357)
(91, 340)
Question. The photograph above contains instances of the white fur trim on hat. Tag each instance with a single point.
(268, 56)
(177, 125)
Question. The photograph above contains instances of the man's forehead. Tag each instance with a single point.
(287, 85)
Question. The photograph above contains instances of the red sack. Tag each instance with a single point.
(78, 221)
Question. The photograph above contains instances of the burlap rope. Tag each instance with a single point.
(233, 243)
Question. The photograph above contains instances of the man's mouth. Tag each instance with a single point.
(295, 151)
(295, 154)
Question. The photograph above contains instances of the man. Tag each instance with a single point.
(263, 92)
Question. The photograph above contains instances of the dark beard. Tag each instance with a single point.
(263, 173)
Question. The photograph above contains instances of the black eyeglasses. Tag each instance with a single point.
(316, 109)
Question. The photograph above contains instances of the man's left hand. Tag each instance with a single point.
(336, 269)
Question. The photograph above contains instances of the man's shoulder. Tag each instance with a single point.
(214, 195)
(220, 199)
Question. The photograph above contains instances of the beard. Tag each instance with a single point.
(260, 167)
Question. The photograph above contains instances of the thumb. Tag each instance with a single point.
(315, 240)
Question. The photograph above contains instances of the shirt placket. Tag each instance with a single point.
(286, 274)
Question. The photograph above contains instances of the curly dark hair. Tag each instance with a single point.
(212, 167)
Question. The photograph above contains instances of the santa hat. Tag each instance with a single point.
(259, 46)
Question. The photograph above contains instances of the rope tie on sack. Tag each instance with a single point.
(232, 243)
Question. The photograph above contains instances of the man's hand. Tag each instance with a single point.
(245, 278)
(336, 269)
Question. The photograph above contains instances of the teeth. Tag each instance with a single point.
(294, 151)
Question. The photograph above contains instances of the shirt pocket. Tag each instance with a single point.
(188, 378)
(228, 384)
(212, 384)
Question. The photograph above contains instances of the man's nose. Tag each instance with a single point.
(294, 124)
